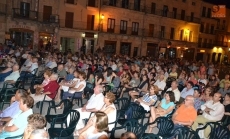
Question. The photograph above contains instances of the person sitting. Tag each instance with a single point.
(26, 65)
(185, 115)
(128, 135)
(11, 111)
(13, 77)
(61, 71)
(51, 63)
(39, 134)
(165, 107)
(18, 124)
(108, 108)
(31, 70)
(175, 90)
(50, 90)
(225, 89)
(160, 83)
(35, 121)
(142, 88)
(212, 110)
(39, 88)
(6, 72)
(94, 104)
(135, 81)
(212, 81)
(226, 103)
(100, 124)
(197, 101)
(78, 88)
(188, 90)
(223, 81)
(148, 99)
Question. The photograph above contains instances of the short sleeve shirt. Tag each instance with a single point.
(186, 114)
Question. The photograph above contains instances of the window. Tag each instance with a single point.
(193, 3)
(218, 24)
(92, 3)
(112, 2)
(165, 10)
(190, 36)
(204, 11)
(153, 8)
(69, 19)
(123, 27)
(111, 25)
(182, 14)
(212, 29)
(70, 1)
(174, 12)
(137, 5)
(209, 13)
(202, 27)
(24, 9)
(162, 32)
(183, 0)
(125, 4)
(172, 32)
(135, 27)
(205, 42)
(223, 26)
(151, 30)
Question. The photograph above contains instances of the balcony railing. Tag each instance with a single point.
(2, 8)
(205, 45)
(35, 16)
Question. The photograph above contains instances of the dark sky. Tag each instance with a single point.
(220, 2)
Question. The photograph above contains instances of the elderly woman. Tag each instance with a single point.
(35, 121)
(165, 107)
(99, 125)
(108, 108)
(38, 88)
(18, 124)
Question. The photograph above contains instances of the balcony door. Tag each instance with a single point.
(47, 12)
(25, 9)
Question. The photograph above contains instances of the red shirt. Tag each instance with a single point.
(51, 87)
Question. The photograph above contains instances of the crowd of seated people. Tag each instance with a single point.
(195, 94)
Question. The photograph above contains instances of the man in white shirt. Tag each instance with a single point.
(27, 63)
(212, 110)
(203, 80)
(175, 90)
(52, 63)
(160, 83)
(114, 65)
(30, 71)
(12, 78)
(94, 104)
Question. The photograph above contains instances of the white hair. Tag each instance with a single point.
(39, 134)
(55, 75)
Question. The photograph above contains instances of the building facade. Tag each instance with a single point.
(179, 29)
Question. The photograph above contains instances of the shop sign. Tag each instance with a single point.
(21, 26)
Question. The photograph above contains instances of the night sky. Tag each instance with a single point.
(220, 2)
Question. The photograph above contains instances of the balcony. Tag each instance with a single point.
(52, 19)
(25, 14)
(79, 25)
(205, 45)
(130, 6)
(221, 44)
(2, 8)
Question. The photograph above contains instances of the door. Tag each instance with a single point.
(135, 51)
(69, 19)
(152, 49)
(125, 48)
(90, 22)
(47, 12)
(199, 56)
(25, 9)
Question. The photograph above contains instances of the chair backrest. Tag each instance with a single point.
(185, 133)
(123, 103)
(132, 125)
(35, 71)
(138, 111)
(171, 114)
(151, 136)
(15, 137)
(67, 105)
(164, 125)
(217, 131)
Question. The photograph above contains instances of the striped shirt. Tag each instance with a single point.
(147, 98)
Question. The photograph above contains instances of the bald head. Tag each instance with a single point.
(128, 135)
(189, 100)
